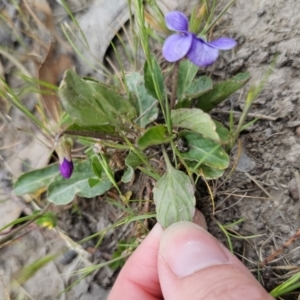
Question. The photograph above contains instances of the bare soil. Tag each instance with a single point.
(264, 190)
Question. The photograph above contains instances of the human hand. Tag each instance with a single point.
(184, 262)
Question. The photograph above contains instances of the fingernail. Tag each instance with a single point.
(188, 248)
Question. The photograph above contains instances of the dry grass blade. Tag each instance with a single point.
(259, 185)
(271, 257)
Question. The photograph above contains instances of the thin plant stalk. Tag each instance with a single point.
(151, 170)
(174, 85)
(206, 30)
(144, 38)
(8, 237)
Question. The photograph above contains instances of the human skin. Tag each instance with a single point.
(185, 262)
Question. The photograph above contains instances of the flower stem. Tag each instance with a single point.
(174, 85)
(204, 32)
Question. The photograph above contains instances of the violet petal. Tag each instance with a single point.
(66, 168)
(176, 46)
(201, 54)
(177, 21)
(223, 43)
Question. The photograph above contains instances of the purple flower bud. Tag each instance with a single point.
(63, 150)
(185, 43)
(66, 168)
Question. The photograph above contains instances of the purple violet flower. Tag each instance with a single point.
(185, 43)
(63, 150)
(66, 168)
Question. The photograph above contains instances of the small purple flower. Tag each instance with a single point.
(185, 43)
(66, 168)
(63, 150)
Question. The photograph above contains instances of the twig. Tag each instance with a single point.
(279, 251)
(259, 185)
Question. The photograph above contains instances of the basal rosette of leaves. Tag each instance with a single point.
(125, 120)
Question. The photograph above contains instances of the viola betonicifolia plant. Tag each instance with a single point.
(122, 120)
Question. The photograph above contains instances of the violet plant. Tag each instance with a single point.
(108, 120)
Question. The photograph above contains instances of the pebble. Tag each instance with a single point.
(268, 132)
(293, 189)
(261, 12)
(285, 228)
(68, 257)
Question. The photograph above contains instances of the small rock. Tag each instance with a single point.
(68, 257)
(261, 12)
(245, 163)
(268, 132)
(285, 228)
(260, 225)
(293, 189)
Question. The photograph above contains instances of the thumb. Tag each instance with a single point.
(192, 264)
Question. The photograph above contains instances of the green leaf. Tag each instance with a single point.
(205, 171)
(63, 191)
(221, 91)
(249, 124)
(184, 103)
(93, 182)
(174, 197)
(97, 168)
(198, 87)
(154, 80)
(128, 175)
(196, 120)
(91, 103)
(132, 161)
(35, 180)
(210, 173)
(186, 74)
(82, 130)
(146, 105)
(289, 285)
(204, 151)
(155, 135)
(223, 132)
